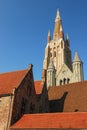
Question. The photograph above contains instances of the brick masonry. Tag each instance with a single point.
(24, 98)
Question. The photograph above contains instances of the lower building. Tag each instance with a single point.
(17, 96)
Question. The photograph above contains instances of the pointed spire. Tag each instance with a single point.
(58, 30)
(67, 40)
(67, 36)
(48, 33)
(58, 15)
(49, 37)
(77, 58)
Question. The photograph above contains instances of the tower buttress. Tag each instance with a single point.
(51, 74)
(67, 53)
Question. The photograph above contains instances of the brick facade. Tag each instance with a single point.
(17, 96)
(24, 98)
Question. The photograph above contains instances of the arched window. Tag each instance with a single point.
(57, 47)
(54, 54)
(60, 82)
(68, 80)
(50, 54)
(64, 81)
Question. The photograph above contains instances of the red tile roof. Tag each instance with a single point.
(55, 92)
(76, 97)
(38, 86)
(11, 80)
(53, 120)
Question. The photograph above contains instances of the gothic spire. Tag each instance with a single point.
(58, 30)
(58, 15)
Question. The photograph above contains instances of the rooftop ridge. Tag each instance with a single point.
(13, 71)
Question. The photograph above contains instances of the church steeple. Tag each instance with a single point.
(57, 64)
(58, 16)
(58, 30)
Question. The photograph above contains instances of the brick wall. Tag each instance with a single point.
(24, 98)
(43, 101)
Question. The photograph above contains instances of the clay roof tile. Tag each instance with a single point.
(38, 86)
(53, 120)
(11, 80)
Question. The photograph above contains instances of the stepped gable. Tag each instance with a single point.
(38, 86)
(11, 80)
(52, 120)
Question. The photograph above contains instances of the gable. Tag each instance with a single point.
(11, 80)
(64, 73)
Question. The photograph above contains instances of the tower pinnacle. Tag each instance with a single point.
(58, 30)
(67, 36)
(77, 58)
(58, 15)
(49, 33)
(48, 37)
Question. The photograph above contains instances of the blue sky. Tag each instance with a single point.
(24, 26)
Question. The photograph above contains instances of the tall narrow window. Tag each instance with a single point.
(54, 54)
(64, 81)
(68, 80)
(60, 82)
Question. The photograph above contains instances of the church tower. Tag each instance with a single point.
(58, 54)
